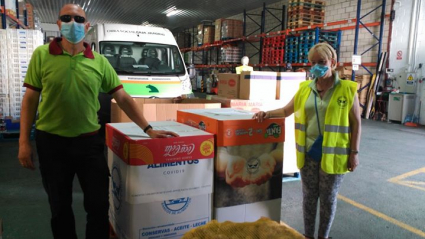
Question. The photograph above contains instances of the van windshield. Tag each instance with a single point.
(139, 58)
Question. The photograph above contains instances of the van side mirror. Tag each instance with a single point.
(192, 71)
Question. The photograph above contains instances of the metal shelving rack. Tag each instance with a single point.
(5, 16)
(257, 37)
(378, 39)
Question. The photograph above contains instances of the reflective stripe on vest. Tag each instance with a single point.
(300, 126)
(337, 129)
(335, 150)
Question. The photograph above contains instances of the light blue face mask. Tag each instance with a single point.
(73, 32)
(319, 70)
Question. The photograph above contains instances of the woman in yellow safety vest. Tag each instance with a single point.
(327, 134)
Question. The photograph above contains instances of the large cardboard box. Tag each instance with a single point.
(258, 85)
(248, 162)
(248, 105)
(208, 34)
(228, 85)
(160, 109)
(159, 187)
(288, 84)
(217, 33)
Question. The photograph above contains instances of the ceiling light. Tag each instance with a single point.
(171, 11)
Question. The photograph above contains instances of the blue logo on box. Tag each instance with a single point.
(176, 206)
(116, 187)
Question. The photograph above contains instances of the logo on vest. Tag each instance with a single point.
(342, 101)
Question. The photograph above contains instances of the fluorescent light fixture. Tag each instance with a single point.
(171, 11)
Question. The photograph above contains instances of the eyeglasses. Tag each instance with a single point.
(68, 18)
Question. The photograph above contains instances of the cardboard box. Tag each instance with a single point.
(258, 85)
(288, 84)
(228, 85)
(168, 179)
(248, 105)
(344, 72)
(208, 34)
(217, 33)
(248, 162)
(160, 109)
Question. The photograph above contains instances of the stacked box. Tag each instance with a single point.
(231, 29)
(200, 36)
(208, 34)
(217, 33)
(303, 13)
(230, 54)
(169, 180)
(248, 162)
(16, 50)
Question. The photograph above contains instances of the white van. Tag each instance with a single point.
(147, 59)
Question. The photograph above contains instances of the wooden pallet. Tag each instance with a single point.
(306, 8)
(298, 12)
(303, 23)
(311, 18)
(316, 2)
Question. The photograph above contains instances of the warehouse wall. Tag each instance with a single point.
(335, 10)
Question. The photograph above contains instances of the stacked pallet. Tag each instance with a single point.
(230, 54)
(310, 38)
(303, 13)
(273, 50)
(291, 49)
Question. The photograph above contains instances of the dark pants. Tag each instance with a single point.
(60, 159)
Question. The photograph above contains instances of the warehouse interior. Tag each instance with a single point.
(201, 82)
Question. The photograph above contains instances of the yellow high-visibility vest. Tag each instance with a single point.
(239, 69)
(336, 135)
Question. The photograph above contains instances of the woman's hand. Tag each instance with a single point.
(353, 162)
(260, 116)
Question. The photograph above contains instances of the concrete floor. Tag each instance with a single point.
(369, 206)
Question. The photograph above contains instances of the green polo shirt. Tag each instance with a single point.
(312, 130)
(69, 88)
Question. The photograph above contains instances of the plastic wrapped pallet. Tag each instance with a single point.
(208, 34)
(230, 54)
(231, 28)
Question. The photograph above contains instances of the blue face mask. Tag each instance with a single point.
(319, 70)
(73, 32)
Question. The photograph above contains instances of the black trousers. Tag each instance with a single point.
(62, 158)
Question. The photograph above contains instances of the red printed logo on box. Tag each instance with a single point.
(232, 82)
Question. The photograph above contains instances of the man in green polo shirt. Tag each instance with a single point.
(68, 77)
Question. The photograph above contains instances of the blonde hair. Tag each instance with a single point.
(324, 50)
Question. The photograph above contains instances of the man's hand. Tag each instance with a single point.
(25, 156)
(161, 133)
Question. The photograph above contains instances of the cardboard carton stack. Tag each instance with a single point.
(208, 34)
(248, 162)
(217, 33)
(230, 54)
(262, 91)
(169, 180)
(231, 28)
(161, 109)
